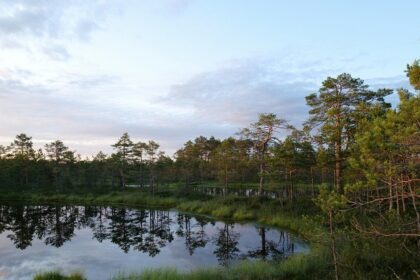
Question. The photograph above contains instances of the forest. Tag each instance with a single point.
(347, 180)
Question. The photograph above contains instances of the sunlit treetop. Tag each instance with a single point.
(413, 74)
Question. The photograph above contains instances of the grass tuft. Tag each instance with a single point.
(57, 275)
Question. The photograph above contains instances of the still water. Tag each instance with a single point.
(101, 241)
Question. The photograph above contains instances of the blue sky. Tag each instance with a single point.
(171, 70)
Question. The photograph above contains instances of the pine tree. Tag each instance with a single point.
(124, 147)
(335, 109)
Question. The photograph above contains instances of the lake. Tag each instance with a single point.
(102, 241)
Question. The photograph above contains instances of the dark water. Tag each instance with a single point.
(101, 241)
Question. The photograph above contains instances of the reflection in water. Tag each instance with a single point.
(272, 249)
(147, 232)
(226, 243)
(195, 235)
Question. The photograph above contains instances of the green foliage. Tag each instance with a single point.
(262, 134)
(413, 74)
(124, 147)
(386, 150)
(330, 200)
(336, 109)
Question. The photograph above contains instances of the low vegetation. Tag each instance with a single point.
(297, 267)
(56, 275)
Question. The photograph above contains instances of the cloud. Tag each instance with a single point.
(47, 27)
(11, 44)
(57, 52)
(22, 19)
(84, 29)
(93, 81)
(48, 114)
(395, 82)
(236, 94)
(83, 111)
(50, 18)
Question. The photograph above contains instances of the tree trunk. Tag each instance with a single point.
(338, 167)
(397, 199)
(152, 184)
(333, 249)
(141, 176)
(402, 195)
(262, 167)
(390, 194)
(26, 177)
(413, 198)
(291, 185)
(286, 185)
(312, 182)
(261, 177)
(122, 178)
(226, 181)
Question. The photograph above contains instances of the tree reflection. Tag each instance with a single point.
(226, 243)
(271, 249)
(153, 234)
(192, 229)
(61, 223)
(21, 227)
(145, 231)
(99, 227)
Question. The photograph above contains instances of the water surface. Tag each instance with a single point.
(100, 241)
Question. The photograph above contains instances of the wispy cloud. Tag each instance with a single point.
(46, 26)
(57, 52)
(237, 93)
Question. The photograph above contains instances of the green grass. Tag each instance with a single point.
(296, 267)
(56, 275)
(299, 266)
(126, 198)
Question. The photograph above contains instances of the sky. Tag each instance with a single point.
(86, 72)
